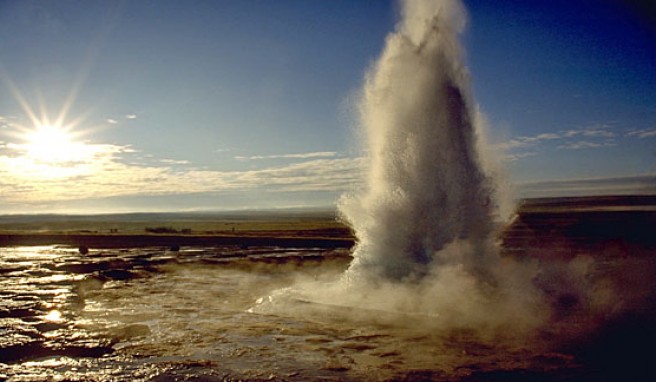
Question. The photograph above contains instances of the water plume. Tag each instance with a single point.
(426, 188)
(427, 217)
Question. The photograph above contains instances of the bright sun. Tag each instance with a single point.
(51, 144)
(52, 151)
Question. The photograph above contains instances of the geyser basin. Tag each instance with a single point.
(185, 314)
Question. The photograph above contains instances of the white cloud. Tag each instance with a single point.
(595, 131)
(4, 122)
(174, 161)
(518, 156)
(320, 154)
(110, 171)
(643, 133)
(593, 134)
(131, 116)
(546, 136)
(20, 165)
(338, 174)
(528, 141)
(112, 121)
(584, 145)
(636, 184)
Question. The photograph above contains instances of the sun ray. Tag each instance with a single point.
(73, 93)
(18, 96)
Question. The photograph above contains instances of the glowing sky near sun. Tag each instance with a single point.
(170, 105)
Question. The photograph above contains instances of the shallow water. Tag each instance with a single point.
(217, 314)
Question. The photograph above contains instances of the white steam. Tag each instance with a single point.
(426, 187)
(425, 221)
(427, 256)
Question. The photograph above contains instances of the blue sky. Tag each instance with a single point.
(182, 105)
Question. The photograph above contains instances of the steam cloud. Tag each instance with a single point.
(426, 187)
(427, 219)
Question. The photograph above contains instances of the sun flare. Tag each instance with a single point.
(51, 144)
(53, 151)
(53, 316)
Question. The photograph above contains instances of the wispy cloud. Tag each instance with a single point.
(174, 161)
(636, 184)
(115, 120)
(584, 145)
(528, 141)
(115, 171)
(338, 174)
(643, 133)
(5, 122)
(594, 137)
(595, 131)
(320, 154)
(517, 156)
(19, 164)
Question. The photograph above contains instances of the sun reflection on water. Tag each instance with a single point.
(50, 362)
(54, 316)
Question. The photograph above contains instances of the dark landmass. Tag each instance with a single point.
(554, 225)
(284, 228)
(283, 215)
(566, 227)
(589, 202)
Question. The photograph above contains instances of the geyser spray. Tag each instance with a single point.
(425, 187)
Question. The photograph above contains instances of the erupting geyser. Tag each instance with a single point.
(425, 188)
(425, 217)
